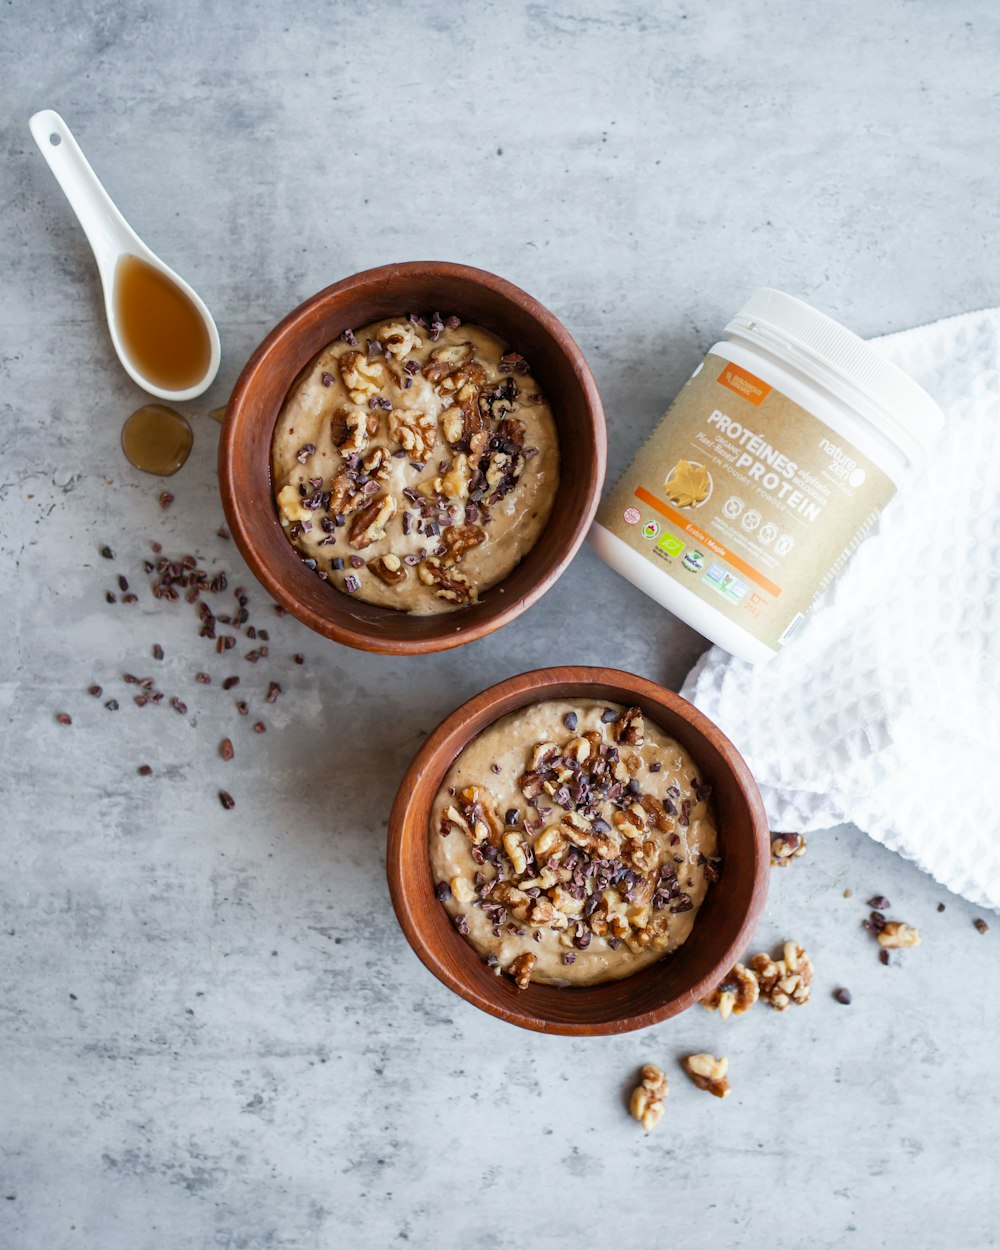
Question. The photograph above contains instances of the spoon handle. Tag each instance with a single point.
(107, 231)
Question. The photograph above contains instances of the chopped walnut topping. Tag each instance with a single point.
(445, 361)
(709, 1073)
(520, 969)
(786, 980)
(415, 432)
(785, 847)
(629, 728)
(458, 539)
(344, 495)
(897, 933)
(454, 484)
(351, 428)
(736, 994)
(646, 1101)
(462, 890)
(449, 583)
(369, 524)
(480, 809)
(399, 338)
(376, 464)
(515, 853)
(290, 505)
(388, 568)
(361, 377)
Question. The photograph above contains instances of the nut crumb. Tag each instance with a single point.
(736, 994)
(897, 934)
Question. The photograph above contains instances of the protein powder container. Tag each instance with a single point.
(765, 474)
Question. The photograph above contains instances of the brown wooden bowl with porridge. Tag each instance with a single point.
(578, 850)
(412, 457)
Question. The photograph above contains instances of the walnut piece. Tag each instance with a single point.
(480, 810)
(646, 1101)
(454, 484)
(785, 847)
(515, 853)
(376, 464)
(520, 969)
(736, 994)
(388, 568)
(449, 584)
(369, 524)
(897, 933)
(398, 338)
(629, 728)
(361, 377)
(462, 890)
(709, 1073)
(447, 360)
(786, 980)
(351, 428)
(290, 505)
(415, 432)
(459, 539)
(344, 495)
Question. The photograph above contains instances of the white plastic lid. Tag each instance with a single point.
(843, 364)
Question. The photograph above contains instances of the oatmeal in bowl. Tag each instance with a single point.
(573, 842)
(415, 463)
(579, 851)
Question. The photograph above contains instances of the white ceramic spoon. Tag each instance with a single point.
(111, 238)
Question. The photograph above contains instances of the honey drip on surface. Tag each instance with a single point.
(157, 440)
(161, 330)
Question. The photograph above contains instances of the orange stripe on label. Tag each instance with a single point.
(744, 383)
(712, 544)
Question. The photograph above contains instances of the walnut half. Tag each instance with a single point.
(646, 1101)
(520, 969)
(415, 432)
(369, 524)
(709, 1073)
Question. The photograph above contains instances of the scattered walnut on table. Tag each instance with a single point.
(786, 980)
(646, 1100)
(896, 934)
(709, 1073)
(736, 994)
(785, 847)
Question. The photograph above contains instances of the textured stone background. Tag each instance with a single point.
(213, 1032)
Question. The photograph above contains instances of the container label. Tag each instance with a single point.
(747, 500)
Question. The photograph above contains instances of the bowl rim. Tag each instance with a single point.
(526, 688)
(452, 633)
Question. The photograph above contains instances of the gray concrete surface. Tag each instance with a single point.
(213, 1033)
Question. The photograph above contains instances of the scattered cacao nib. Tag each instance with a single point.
(260, 727)
(495, 768)
(348, 336)
(940, 907)
(569, 957)
(223, 533)
(571, 721)
(273, 690)
(305, 452)
(326, 379)
(884, 957)
(130, 598)
(442, 891)
(608, 715)
(227, 800)
(298, 659)
(226, 749)
(157, 651)
(166, 499)
(351, 583)
(107, 553)
(179, 705)
(109, 597)
(242, 707)
(462, 924)
(112, 705)
(981, 925)
(122, 582)
(230, 682)
(879, 902)
(655, 766)
(511, 817)
(96, 691)
(203, 679)
(843, 996)
(64, 718)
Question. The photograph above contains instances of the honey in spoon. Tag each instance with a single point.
(157, 440)
(161, 330)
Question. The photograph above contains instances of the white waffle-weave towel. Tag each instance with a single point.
(884, 710)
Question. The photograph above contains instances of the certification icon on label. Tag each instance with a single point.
(651, 530)
(631, 516)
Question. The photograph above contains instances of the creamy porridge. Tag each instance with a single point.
(415, 463)
(573, 843)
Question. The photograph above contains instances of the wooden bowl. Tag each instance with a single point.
(724, 924)
(245, 449)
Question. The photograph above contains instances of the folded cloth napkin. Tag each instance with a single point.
(884, 711)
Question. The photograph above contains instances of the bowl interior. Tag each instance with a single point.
(245, 450)
(722, 928)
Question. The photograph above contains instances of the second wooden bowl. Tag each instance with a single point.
(725, 922)
(391, 290)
